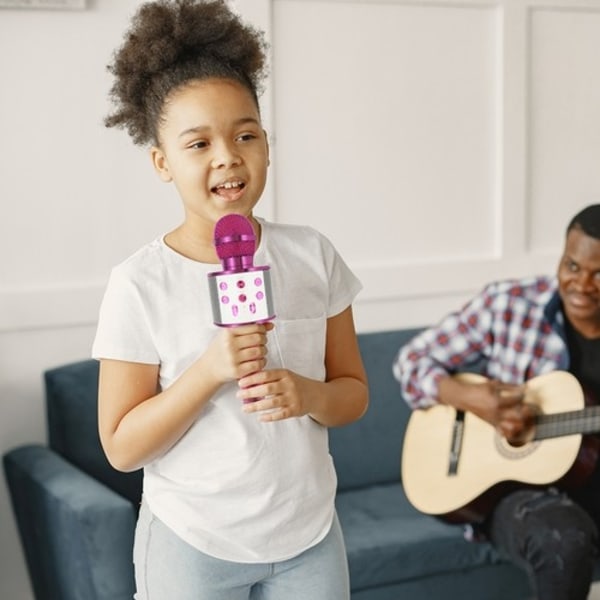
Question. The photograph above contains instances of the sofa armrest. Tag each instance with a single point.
(77, 534)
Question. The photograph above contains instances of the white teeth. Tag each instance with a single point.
(230, 184)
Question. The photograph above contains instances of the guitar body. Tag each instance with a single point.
(465, 486)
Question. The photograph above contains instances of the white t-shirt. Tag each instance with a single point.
(233, 487)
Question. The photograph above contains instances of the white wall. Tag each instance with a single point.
(439, 144)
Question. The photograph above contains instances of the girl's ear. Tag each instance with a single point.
(159, 161)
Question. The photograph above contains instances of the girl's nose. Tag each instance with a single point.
(225, 156)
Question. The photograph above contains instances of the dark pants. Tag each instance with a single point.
(552, 537)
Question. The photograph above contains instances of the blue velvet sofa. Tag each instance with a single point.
(76, 515)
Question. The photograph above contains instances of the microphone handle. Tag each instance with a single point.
(241, 297)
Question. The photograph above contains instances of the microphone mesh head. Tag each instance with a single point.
(234, 236)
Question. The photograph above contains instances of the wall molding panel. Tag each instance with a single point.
(439, 144)
(431, 191)
(50, 307)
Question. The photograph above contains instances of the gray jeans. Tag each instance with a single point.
(552, 537)
(166, 567)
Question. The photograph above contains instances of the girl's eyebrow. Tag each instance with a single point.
(203, 128)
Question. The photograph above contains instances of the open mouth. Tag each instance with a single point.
(229, 190)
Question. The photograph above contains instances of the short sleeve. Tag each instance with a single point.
(123, 331)
(344, 286)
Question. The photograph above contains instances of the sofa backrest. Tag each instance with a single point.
(72, 409)
(368, 451)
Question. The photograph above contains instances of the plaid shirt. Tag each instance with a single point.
(513, 329)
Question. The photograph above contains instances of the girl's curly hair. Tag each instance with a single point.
(170, 43)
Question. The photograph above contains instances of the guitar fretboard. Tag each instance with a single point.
(586, 420)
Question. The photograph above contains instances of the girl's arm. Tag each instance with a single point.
(138, 422)
(342, 398)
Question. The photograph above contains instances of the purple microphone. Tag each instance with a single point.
(240, 293)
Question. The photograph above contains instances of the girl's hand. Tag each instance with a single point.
(283, 393)
(340, 399)
(235, 352)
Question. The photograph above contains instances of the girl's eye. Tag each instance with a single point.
(199, 144)
(246, 137)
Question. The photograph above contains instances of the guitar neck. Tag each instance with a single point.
(586, 420)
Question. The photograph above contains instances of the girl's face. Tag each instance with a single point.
(214, 149)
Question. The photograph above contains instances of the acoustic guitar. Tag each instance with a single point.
(456, 466)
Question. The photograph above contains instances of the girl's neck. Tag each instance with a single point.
(192, 245)
(197, 244)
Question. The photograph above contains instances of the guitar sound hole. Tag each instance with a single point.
(508, 450)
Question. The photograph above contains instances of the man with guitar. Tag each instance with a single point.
(516, 331)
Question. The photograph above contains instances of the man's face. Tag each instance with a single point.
(579, 282)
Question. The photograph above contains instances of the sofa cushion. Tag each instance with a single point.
(72, 405)
(368, 451)
(388, 541)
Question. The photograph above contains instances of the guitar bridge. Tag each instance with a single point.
(458, 428)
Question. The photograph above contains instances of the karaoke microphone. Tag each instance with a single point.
(241, 292)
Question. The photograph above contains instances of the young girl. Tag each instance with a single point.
(238, 498)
